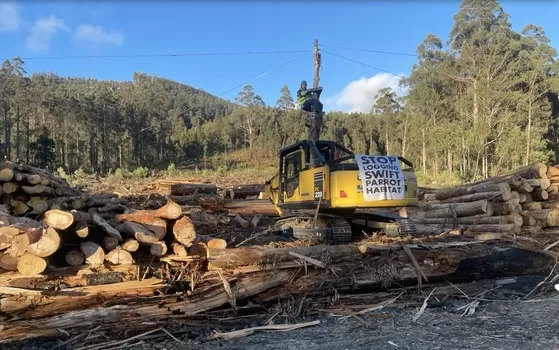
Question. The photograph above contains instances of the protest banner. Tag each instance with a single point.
(382, 177)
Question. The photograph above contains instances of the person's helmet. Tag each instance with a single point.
(304, 82)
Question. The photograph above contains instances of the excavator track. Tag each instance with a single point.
(338, 229)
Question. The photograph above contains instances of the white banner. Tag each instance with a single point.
(382, 177)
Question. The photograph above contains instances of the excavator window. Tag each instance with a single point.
(293, 167)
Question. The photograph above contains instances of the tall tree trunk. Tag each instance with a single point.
(27, 138)
(18, 139)
(7, 134)
(424, 151)
(92, 152)
(404, 138)
(449, 160)
(528, 134)
(387, 141)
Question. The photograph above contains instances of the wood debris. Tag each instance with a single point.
(73, 266)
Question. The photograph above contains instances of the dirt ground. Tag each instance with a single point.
(501, 320)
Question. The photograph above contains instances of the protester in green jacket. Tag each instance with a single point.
(307, 102)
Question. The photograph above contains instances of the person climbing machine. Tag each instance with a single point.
(307, 101)
(310, 103)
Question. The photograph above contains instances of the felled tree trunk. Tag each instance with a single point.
(186, 189)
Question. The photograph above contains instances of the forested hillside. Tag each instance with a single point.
(482, 102)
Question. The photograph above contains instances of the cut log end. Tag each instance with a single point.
(119, 257)
(29, 264)
(93, 253)
(74, 257)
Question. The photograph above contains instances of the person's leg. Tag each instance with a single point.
(317, 106)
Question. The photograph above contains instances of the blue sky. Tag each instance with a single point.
(32, 29)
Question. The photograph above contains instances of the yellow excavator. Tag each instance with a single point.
(325, 192)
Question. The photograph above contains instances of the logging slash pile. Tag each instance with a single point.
(524, 202)
(71, 260)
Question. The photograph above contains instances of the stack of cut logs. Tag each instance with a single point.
(521, 202)
(74, 237)
(29, 191)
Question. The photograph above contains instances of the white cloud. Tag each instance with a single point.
(97, 35)
(9, 17)
(359, 95)
(43, 31)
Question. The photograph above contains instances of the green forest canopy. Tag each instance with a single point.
(480, 104)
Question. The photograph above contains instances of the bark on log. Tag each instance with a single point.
(546, 217)
(528, 220)
(508, 207)
(473, 220)
(525, 187)
(151, 222)
(240, 221)
(186, 189)
(503, 188)
(62, 220)
(38, 190)
(233, 258)
(504, 196)
(158, 249)
(74, 257)
(82, 229)
(110, 243)
(549, 204)
(111, 231)
(512, 228)
(245, 191)
(137, 231)
(251, 207)
(184, 232)
(170, 211)
(104, 201)
(540, 195)
(256, 220)
(462, 209)
(93, 253)
(11, 220)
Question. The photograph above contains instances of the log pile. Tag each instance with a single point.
(147, 266)
(29, 191)
(523, 202)
(180, 188)
(72, 238)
